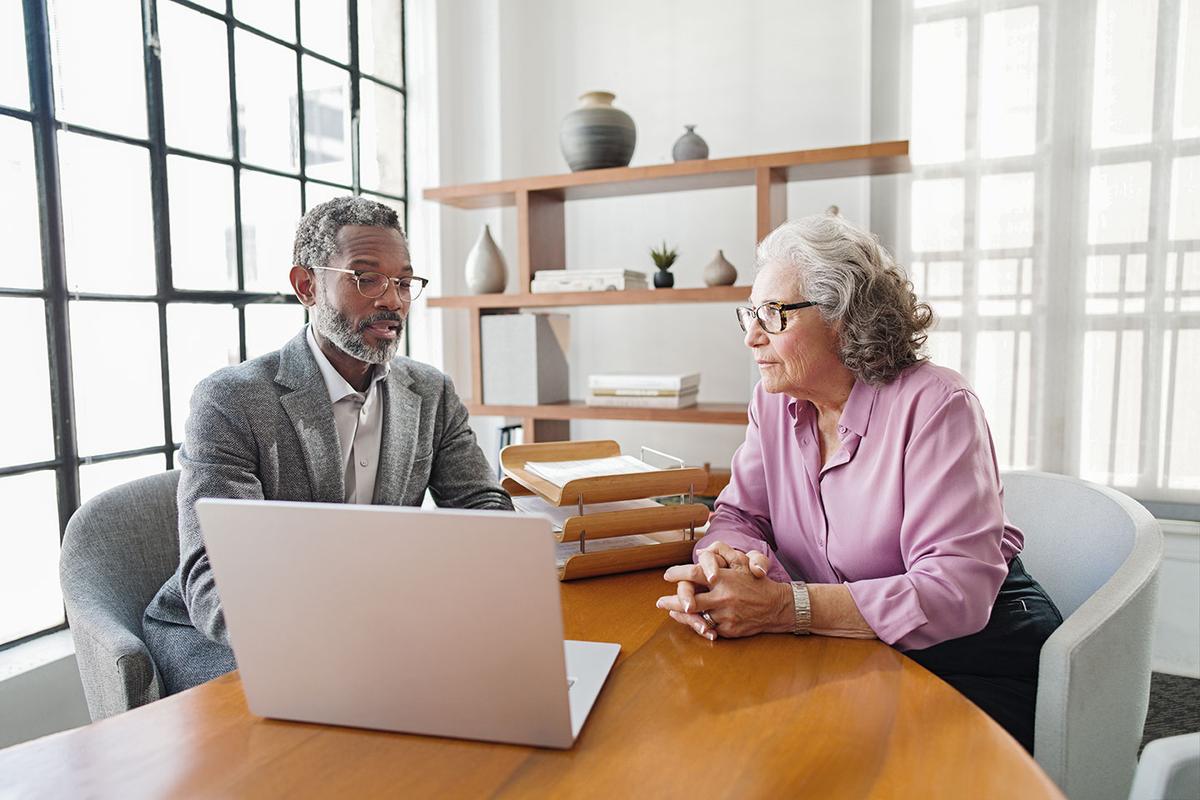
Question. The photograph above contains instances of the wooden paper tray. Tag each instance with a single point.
(674, 548)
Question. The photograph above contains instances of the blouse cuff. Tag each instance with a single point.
(890, 606)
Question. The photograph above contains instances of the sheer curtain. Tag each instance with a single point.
(1052, 220)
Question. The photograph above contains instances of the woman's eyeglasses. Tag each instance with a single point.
(373, 284)
(771, 315)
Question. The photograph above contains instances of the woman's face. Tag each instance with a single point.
(802, 360)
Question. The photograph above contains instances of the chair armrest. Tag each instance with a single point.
(110, 655)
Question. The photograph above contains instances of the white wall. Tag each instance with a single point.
(755, 77)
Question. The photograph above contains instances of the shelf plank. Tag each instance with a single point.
(711, 413)
(878, 158)
(633, 297)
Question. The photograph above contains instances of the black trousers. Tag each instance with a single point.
(997, 668)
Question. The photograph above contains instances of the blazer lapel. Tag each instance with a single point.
(311, 414)
(398, 445)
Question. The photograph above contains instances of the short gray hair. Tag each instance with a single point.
(316, 235)
(860, 290)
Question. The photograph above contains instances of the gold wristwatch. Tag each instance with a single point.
(803, 623)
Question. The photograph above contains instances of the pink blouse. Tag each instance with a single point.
(907, 514)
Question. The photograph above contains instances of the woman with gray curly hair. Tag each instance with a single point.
(866, 500)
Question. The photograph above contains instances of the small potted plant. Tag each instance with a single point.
(663, 259)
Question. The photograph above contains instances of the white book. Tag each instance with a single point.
(677, 382)
(641, 392)
(586, 285)
(612, 401)
(559, 472)
(556, 274)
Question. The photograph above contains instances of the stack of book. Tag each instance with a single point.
(643, 391)
(586, 280)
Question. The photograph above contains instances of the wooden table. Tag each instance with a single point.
(771, 716)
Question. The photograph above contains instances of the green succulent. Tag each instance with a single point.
(664, 258)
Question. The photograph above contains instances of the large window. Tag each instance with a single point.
(154, 160)
(1052, 219)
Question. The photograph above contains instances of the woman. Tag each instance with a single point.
(866, 501)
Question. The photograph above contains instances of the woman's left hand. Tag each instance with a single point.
(738, 602)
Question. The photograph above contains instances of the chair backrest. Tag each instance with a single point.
(118, 550)
(1169, 767)
(1097, 553)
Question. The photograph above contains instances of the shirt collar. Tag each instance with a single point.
(856, 414)
(339, 388)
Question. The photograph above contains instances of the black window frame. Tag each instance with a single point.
(55, 293)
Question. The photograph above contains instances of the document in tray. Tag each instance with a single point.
(559, 472)
(532, 504)
(565, 550)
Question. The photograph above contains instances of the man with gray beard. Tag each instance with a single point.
(334, 417)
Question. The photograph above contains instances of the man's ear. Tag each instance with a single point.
(304, 284)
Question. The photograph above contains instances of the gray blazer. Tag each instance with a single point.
(265, 429)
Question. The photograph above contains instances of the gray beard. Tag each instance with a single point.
(335, 327)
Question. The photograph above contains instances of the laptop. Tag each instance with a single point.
(439, 622)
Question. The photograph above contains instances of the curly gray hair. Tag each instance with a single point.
(860, 290)
(316, 235)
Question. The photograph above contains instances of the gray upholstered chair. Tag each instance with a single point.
(1097, 553)
(1169, 768)
(118, 550)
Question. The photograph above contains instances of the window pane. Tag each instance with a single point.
(1187, 74)
(945, 349)
(395, 205)
(1006, 210)
(940, 284)
(14, 72)
(327, 121)
(1119, 203)
(30, 598)
(203, 253)
(317, 193)
(1008, 83)
(382, 138)
(324, 27)
(269, 326)
(268, 126)
(270, 212)
(26, 433)
(1005, 286)
(937, 215)
(276, 17)
(1112, 382)
(99, 75)
(1003, 389)
(380, 50)
(97, 478)
(939, 91)
(19, 227)
(201, 339)
(121, 410)
(1185, 198)
(1181, 429)
(106, 215)
(1123, 92)
(195, 70)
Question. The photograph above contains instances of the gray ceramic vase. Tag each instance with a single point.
(689, 147)
(486, 270)
(596, 135)
(720, 272)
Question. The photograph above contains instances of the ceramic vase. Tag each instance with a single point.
(596, 135)
(719, 272)
(486, 271)
(689, 147)
(663, 279)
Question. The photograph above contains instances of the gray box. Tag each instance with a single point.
(525, 358)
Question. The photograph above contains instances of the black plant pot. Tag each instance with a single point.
(663, 279)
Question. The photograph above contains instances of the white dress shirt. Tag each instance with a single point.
(359, 420)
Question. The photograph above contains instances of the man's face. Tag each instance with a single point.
(364, 328)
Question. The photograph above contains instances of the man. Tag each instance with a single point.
(332, 417)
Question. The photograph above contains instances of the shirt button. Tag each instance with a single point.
(362, 463)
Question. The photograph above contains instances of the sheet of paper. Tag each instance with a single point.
(567, 549)
(559, 472)
(532, 504)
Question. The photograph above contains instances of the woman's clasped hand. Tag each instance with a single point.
(727, 593)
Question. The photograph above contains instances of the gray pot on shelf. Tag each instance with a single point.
(719, 272)
(596, 135)
(689, 147)
(486, 270)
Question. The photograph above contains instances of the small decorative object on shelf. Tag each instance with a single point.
(596, 135)
(689, 147)
(486, 271)
(663, 259)
(719, 271)
(833, 211)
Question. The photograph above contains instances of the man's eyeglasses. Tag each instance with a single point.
(771, 315)
(373, 284)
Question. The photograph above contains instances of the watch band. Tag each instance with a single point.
(803, 624)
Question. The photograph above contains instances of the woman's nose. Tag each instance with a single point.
(754, 335)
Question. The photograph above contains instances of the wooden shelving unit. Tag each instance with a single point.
(541, 244)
